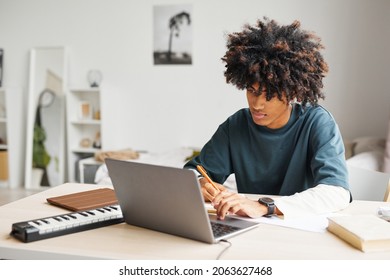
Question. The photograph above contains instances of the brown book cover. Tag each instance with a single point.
(85, 200)
(365, 232)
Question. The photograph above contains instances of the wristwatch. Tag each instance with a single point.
(269, 203)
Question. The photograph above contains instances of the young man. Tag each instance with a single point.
(284, 143)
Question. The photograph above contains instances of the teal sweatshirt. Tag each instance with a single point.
(306, 152)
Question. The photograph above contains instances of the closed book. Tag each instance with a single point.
(85, 200)
(365, 232)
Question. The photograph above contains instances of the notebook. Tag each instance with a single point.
(85, 200)
(167, 199)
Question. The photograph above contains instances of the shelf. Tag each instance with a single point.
(85, 150)
(10, 127)
(83, 124)
(86, 122)
(4, 131)
(85, 91)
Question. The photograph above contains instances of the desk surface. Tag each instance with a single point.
(124, 241)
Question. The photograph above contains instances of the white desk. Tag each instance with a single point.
(123, 241)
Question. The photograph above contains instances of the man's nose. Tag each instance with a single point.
(259, 102)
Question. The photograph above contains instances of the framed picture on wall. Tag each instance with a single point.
(172, 36)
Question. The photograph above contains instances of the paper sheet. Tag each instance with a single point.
(314, 223)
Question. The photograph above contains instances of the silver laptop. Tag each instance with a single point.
(169, 200)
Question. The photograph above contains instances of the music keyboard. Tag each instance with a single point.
(72, 222)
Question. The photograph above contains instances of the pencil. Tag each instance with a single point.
(204, 174)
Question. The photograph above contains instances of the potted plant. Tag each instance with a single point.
(41, 157)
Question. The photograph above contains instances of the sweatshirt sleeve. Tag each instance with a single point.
(318, 200)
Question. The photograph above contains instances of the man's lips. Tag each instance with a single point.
(258, 115)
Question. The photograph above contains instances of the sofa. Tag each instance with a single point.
(369, 152)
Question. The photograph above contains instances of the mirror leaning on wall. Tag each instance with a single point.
(45, 141)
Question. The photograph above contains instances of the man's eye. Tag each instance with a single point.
(251, 90)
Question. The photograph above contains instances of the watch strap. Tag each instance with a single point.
(269, 204)
(270, 209)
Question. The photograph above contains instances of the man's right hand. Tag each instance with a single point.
(208, 190)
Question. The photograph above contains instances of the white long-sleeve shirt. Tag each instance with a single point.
(318, 200)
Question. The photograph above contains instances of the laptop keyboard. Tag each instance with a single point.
(221, 229)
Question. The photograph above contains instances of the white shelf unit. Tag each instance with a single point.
(4, 173)
(11, 131)
(83, 126)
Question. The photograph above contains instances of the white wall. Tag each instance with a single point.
(160, 107)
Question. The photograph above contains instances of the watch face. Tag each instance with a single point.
(267, 199)
(269, 203)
